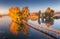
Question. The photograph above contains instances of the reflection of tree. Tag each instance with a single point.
(25, 13)
(49, 20)
(17, 17)
(14, 28)
(14, 13)
(49, 16)
(25, 29)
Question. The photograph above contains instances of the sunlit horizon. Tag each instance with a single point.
(33, 5)
(6, 10)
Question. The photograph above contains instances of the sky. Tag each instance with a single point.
(33, 5)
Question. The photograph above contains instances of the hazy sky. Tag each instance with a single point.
(33, 5)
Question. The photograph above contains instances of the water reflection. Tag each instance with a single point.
(14, 28)
(6, 26)
(17, 16)
(48, 22)
(31, 32)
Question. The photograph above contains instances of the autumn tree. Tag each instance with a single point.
(25, 13)
(48, 10)
(15, 14)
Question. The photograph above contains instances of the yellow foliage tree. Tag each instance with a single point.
(48, 10)
(25, 13)
(15, 14)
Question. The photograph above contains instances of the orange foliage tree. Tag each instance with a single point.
(16, 16)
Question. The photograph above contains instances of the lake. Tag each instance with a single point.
(6, 34)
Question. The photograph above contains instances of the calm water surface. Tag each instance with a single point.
(5, 33)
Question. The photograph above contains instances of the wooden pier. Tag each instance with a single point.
(47, 31)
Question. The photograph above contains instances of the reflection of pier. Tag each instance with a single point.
(53, 33)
